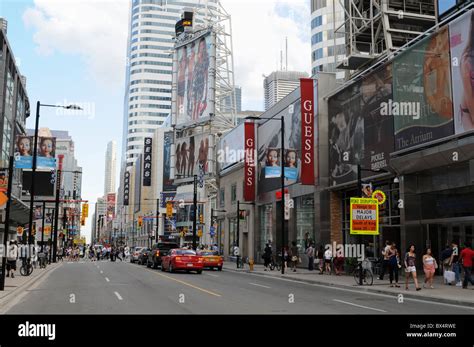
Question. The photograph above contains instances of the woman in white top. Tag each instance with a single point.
(429, 267)
(327, 260)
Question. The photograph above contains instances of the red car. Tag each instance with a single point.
(182, 259)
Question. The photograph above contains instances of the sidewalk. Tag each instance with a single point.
(13, 286)
(441, 293)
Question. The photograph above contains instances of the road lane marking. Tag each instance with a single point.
(212, 275)
(107, 279)
(366, 307)
(259, 285)
(186, 284)
(118, 296)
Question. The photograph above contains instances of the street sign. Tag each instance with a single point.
(380, 196)
(364, 216)
(201, 175)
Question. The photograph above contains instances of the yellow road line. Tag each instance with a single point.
(186, 283)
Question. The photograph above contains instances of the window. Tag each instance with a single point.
(222, 197)
(233, 193)
(316, 22)
(318, 37)
(317, 4)
(6, 143)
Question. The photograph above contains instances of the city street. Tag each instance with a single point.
(124, 288)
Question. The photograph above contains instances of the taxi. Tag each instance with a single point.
(212, 259)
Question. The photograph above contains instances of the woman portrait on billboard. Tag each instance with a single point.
(178, 158)
(201, 80)
(46, 147)
(184, 158)
(466, 109)
(290, 158)
(191, 157)
(24, 146)
(272, 157)
(189, 83)
(181, 82)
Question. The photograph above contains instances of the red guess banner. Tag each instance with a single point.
(307, 131)
(249, 183)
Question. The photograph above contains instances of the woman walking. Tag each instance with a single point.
(410, 267)
(267, 256)
(392, 254)
(429, 267)
(320, 256)
(294, 255)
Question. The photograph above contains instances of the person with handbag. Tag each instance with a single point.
(393, 265)
(310, 254)
(294, 255)
(429, 267)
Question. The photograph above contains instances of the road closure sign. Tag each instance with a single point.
(364, 216)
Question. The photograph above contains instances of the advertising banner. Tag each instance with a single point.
(461, 32)
(138, 183)
(307, 131)
(167, 181)
(269, 149)
(191, 152)
(195, 99)
(231, 148)
(250, 162)
(126, 188)
(422, 105)
(147, 161)
(364, 216)
(46, 153)
(24, 152)
(360, 131)
(110, 206)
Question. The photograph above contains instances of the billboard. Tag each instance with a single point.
(461, 38)
(167, 181)
(269, 154)
(230, 149)
(364, 216)
(422, 95)
(24, 152)
(360, 131)
(46, 152)
(147, 163)
(195, 90)
(308, 89)
(250, 162)
(191, 153)
(110, 206)
(126, 188)
(44, 182)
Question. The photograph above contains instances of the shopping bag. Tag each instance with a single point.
(449, 276)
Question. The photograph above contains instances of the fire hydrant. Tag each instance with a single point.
(251, 264)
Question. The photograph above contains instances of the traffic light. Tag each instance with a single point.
(85, 210)
(201, 219)
(169, 209)
(83, 221)
(140, 221)
(199, 233)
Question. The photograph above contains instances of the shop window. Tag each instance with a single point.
(304, 207)
(222, 197)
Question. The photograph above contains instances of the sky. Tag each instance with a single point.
(74, 52)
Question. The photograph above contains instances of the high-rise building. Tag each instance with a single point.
(110, 168)
(149, 70)
(279, 84)
(327, 43)
(238, 101)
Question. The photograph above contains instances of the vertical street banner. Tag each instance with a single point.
(250, 162)
(147, 150)
(46, 153)
(307, 131)
(364, 216)
(126, 189)
(24, 152)
(110, 206)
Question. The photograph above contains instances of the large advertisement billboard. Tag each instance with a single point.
(231, 148)
(46, 152)
(191, 155)
(195, 92)
(269, 154)
(422, 94)
(360, 128)
(167, 181)
(461, 33)
(110, 206)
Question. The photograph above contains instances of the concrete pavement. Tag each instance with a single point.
(449, 294)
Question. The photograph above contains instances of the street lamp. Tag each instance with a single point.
(282, 120)
(33, 169)
(212, 222)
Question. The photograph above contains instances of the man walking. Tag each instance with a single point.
(386, 258)
(237, 255)
(310, 254)
(466, 258)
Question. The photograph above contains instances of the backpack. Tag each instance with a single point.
(446, 254)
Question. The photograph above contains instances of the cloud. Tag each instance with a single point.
(94, 30)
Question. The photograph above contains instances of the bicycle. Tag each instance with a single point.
(26, 268)
(367, 274)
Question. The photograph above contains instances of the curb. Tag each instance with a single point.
(364, 289)
(27, 284)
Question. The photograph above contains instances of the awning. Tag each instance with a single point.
(19, 214)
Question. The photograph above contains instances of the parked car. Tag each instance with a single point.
(135, 253)
(182, 259)
(212, 259)
(159, 250)
(143, 256)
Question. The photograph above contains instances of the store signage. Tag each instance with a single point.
(126, 189)
(249, 179)
(379, 196)
(364, 216)
(147, 149)
(307, 131)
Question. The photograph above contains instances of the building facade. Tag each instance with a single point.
(110, 167)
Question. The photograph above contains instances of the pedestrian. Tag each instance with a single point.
(310, 254)
(320, 256)
(60, 253)
(327, 260)
(454, 263)
(12, 258)
(386, 258)
(237, 254)
(294, 255)
(127, 252)
(286, 256)
(429, 267)
(339, 263)
(393, 264)
(466, 256)
(410, 267)
(117, 255)
(267, 256)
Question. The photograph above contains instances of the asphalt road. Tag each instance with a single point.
(124, 288)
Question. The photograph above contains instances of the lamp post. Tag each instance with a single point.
(33, 169)
(212, 222)
(282, 120)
